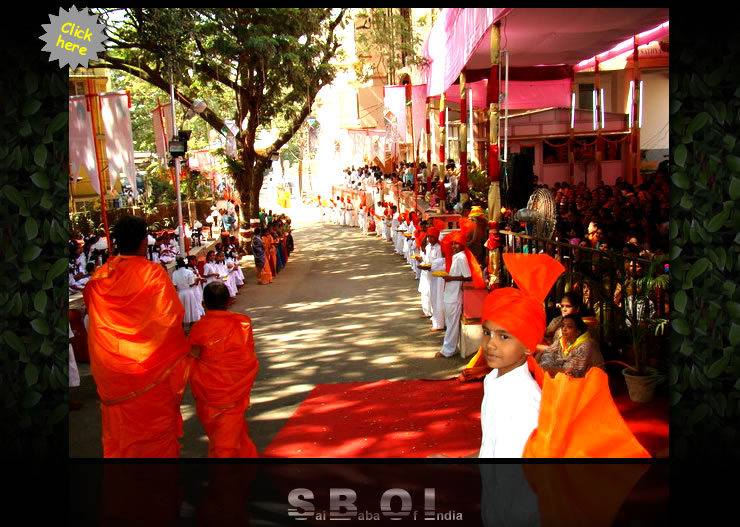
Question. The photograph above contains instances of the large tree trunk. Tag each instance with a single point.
(248, 184)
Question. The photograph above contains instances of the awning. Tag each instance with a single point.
(461, 38)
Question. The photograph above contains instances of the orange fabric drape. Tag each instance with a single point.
(270, 253)
(222, 380)
(574, 495)
(138, 356)
(578, 418)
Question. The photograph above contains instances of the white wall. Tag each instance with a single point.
(654, 132)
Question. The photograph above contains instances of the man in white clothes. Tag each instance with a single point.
(436, 286)
(453, 295)
(431, 252)
(395, 222)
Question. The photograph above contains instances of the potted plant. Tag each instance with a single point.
(641, 321)
(623, 300)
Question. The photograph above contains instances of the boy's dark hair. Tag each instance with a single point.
(129, 231)
(90, 267)
(216, 296)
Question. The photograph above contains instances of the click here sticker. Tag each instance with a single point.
(74, 37)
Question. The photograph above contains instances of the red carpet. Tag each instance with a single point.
(417, 418)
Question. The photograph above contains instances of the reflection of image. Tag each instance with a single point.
(555, 495)
(507, 500)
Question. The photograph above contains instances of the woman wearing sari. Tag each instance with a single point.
(262, 268)
(575, 352)
(270, 252)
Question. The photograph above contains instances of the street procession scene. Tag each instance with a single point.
(370, 233)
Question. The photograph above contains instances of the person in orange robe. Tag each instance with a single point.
(270, 251)
(223, 374)
(138, 349)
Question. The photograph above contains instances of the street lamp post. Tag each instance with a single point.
(197, 107)
(180, 230)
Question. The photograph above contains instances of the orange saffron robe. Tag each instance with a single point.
(222, 380)
(578, 417)
(138, 356)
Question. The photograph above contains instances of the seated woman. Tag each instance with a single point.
(570, 303)
(575, 352)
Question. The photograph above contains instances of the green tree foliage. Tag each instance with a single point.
(34, 228)
(705, 254)
(386, 35)
(273, 60)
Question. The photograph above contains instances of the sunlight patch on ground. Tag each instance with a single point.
(187, 411)
(389, 359)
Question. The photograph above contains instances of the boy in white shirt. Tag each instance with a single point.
(513, 325)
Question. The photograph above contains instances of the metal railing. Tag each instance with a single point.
(603, 279)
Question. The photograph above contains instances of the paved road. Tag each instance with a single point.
(345, 309)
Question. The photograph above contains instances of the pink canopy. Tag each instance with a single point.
(523, 95)
(460, 39)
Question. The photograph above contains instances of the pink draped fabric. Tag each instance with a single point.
(419, 110)
(453, 39)
(657, 33)
(81, 144)
(523, 95)
(119, 143)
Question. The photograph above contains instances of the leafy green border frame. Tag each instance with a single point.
(704, 376)
(34, 226)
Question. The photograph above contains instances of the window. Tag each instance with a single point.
(585, 96)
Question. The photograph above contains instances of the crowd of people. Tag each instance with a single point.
(220, 349)
(142, 360)
(515, 339)
(442, 261)
(272, 243)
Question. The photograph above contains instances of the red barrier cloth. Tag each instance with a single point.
(416, 418)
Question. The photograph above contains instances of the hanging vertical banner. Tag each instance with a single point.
(231, 130)
(119, 143)
(391, 134)
(419, 110)
(162, 115)
(81, 142)
(395, 102)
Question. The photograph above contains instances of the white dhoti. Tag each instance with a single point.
(436, 295)
(453, 310)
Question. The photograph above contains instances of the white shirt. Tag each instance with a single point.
(509, 412)
(459, 267)
(183, 278)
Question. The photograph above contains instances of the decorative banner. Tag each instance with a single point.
(81, 142)
(395, 102)
(162, 115)
(391, 134)
(118, 138)
(419, 110)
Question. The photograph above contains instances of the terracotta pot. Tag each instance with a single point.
(641, 388)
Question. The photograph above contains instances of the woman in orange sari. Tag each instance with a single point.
(270, 254)
(262, 268)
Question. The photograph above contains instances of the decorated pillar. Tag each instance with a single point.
(463, 184)
(442, 135)
(494, 167)
(571, 135)
(635, 136)
(598, 145)
(429, 146)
